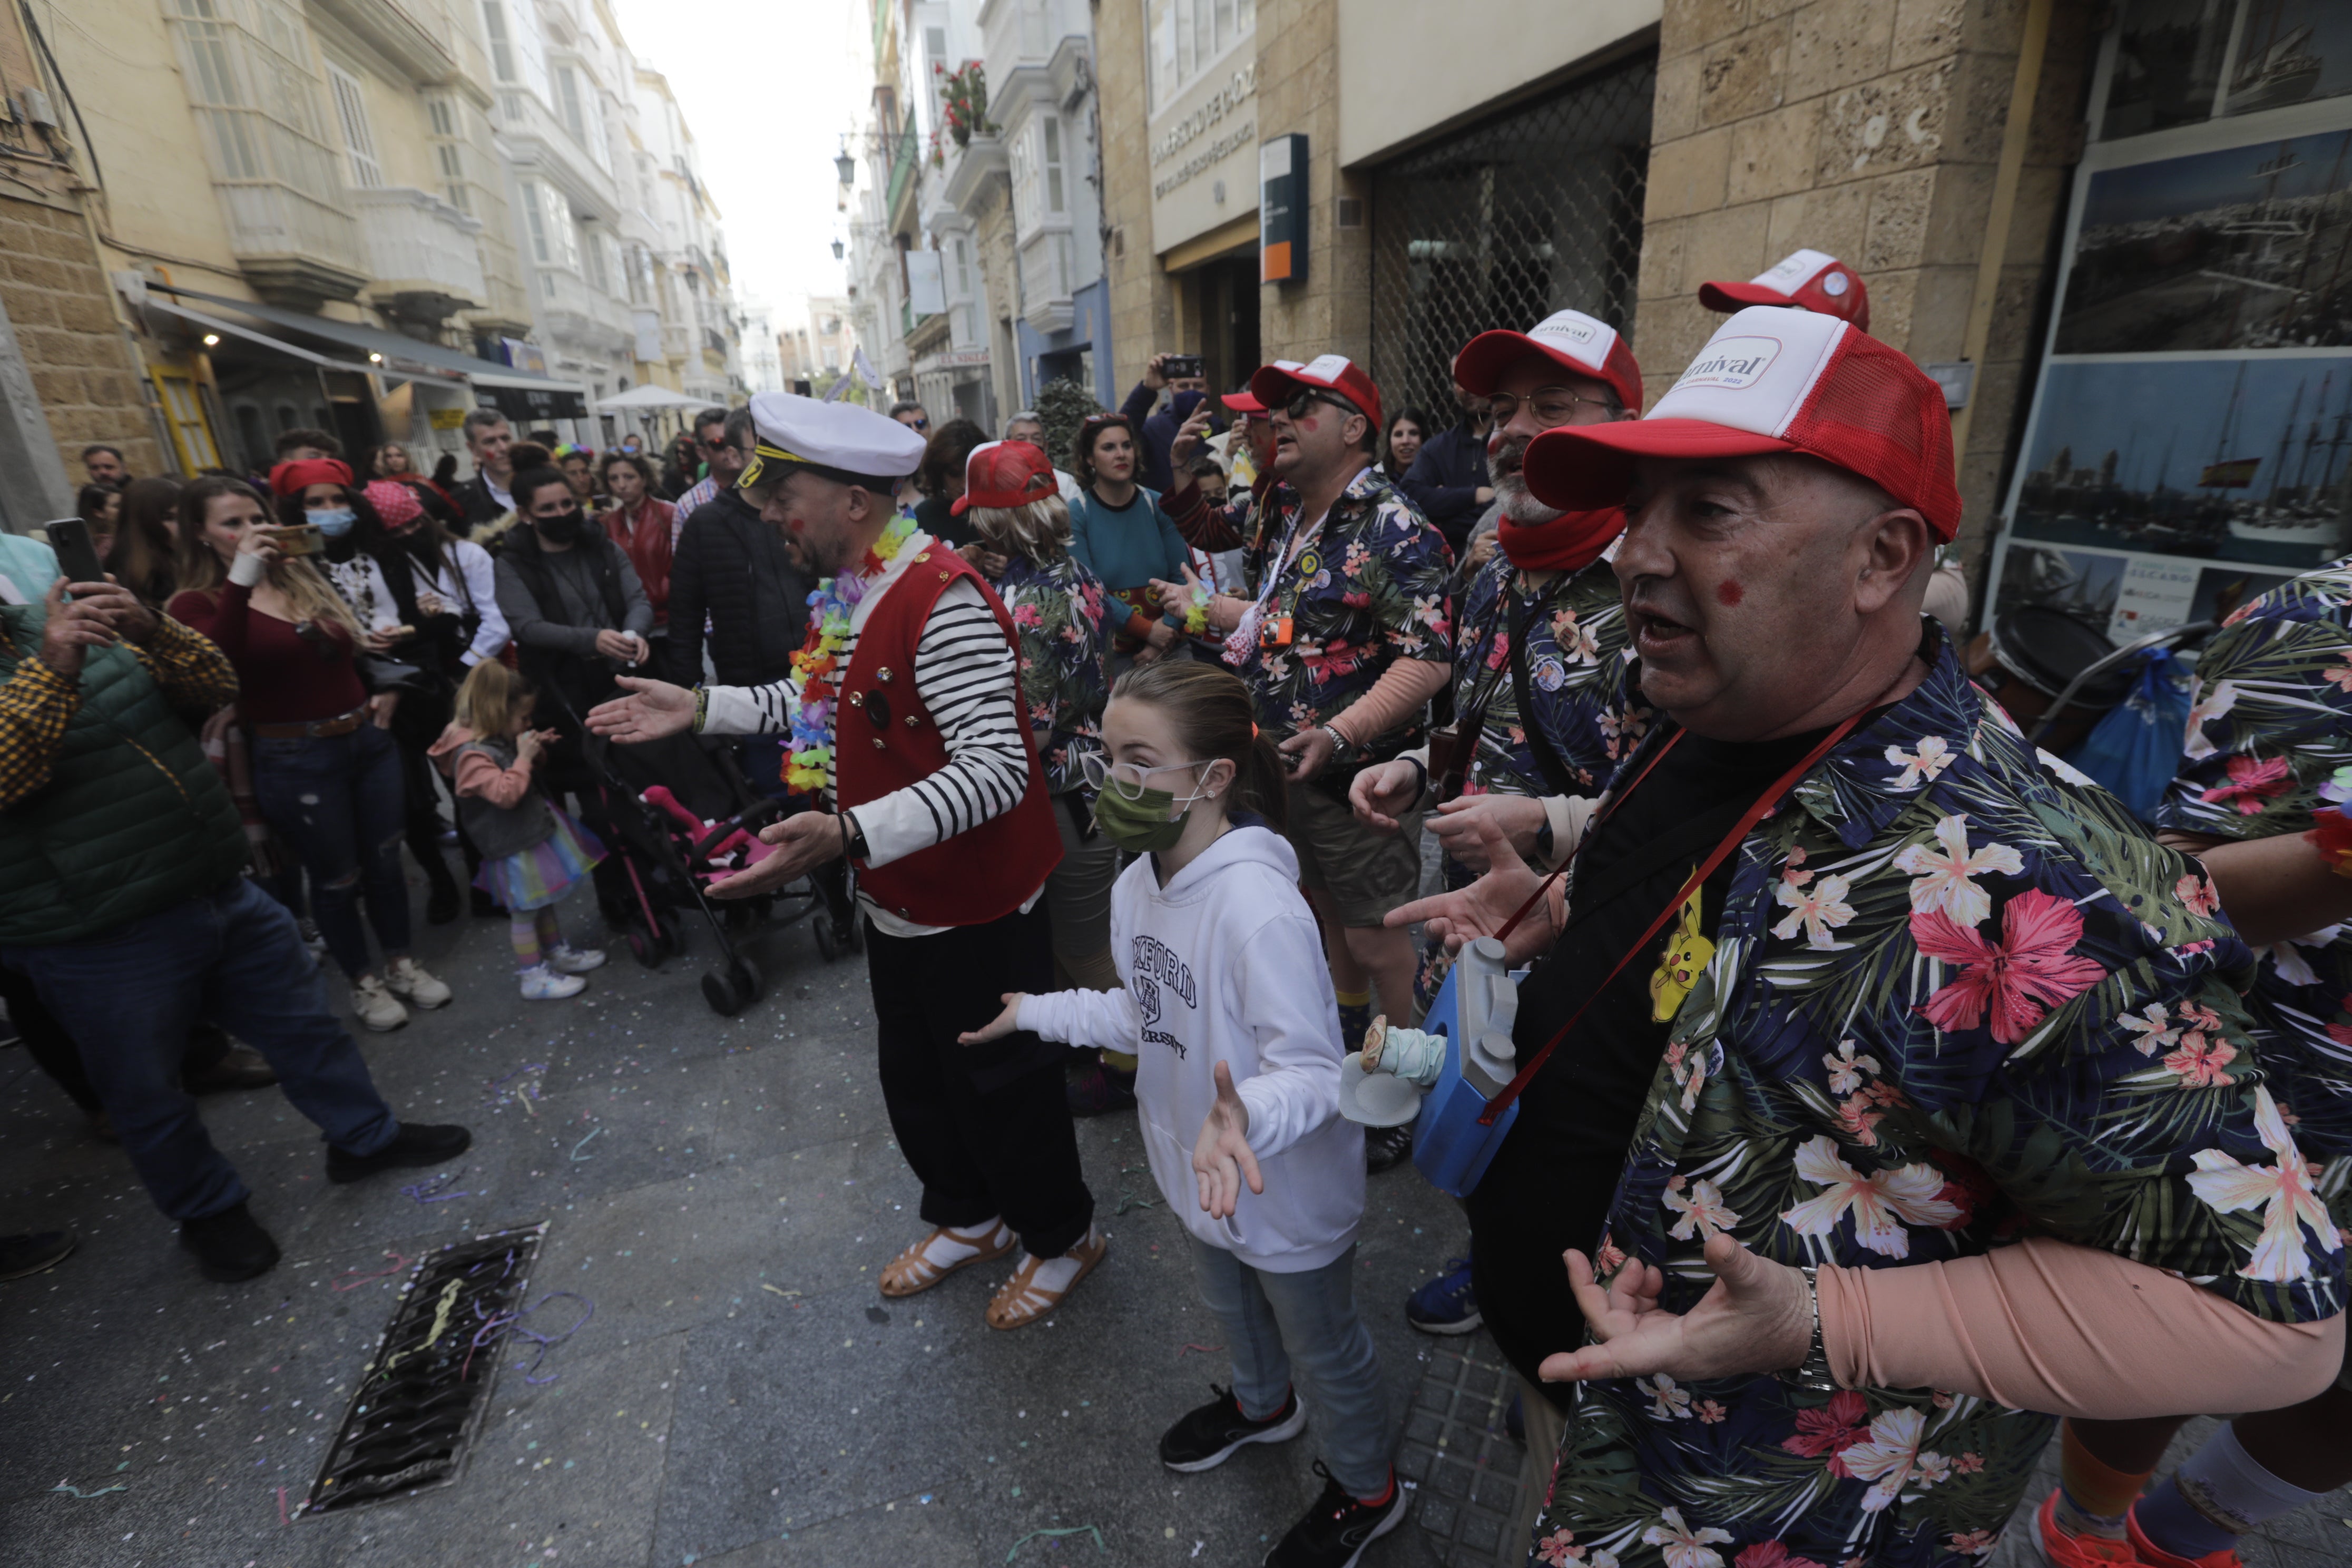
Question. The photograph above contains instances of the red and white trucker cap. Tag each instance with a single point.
(1773, 380)
(1276, 383)
(1005, 474)
(1810, 278)
(1241, 402)
(1570, 339)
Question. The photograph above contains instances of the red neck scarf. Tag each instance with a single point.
(1569, 543)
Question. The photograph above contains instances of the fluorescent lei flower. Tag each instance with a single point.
(808, 769)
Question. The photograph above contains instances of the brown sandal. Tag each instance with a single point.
(911, 1273)
(1020, 1302)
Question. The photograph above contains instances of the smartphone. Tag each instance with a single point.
(1181, 367)
(302, 538)
(77, 556)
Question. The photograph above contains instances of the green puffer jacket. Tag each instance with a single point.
(132, 820)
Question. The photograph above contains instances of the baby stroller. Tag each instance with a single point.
(679, 814)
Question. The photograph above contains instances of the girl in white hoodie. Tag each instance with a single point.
(1229, 1008)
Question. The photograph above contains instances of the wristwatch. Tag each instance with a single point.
(1813, 1375)
(853, 838)
(1340, 744)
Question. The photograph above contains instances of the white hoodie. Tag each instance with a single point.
(1225, 964)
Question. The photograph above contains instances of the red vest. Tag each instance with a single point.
(884, 740)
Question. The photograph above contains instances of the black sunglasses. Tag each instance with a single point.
(1307, 398)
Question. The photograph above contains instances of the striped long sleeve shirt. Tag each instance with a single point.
(966, 673)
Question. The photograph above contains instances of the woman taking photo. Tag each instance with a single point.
(1119, 530)
(146, 541)
(644, 525)
(326, 773)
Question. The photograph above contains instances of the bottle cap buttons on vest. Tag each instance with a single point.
(884, 675)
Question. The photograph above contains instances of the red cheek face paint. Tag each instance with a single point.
(1310, 423)
(1729, 593)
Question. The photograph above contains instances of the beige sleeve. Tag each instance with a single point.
(2068, 1331)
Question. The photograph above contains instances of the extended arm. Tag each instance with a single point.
(2272, 889)
(1094, 1020)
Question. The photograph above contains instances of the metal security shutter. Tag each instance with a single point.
(1535, 210)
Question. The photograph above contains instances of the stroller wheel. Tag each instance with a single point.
(826, 944)
(732, 990)
(645, 948)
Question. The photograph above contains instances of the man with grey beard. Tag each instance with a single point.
(1535, 736)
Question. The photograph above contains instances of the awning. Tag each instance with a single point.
(649, 395)
(278, 345)
(517, 393)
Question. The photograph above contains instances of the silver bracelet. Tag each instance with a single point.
(1813, 1375)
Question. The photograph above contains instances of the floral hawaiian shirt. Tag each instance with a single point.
(1058, 610)
(1369, 587)
(1575, 641)
(1956, 994)
(2271, 724)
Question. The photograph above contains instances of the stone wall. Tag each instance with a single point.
(1868, 129)
(1298, 91)
(1142, 297)
(82, 366)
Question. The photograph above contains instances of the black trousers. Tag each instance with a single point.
(986, 1128)
(54, 1052)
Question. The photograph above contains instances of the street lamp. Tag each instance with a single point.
(844, 165)
(836, 249)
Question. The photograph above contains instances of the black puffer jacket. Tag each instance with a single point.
(734, 569)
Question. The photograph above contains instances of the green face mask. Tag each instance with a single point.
(1139, 826)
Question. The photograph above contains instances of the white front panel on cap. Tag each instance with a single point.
(1756, 372)
(1579, 336)
(1789, 274)
(1325, 369)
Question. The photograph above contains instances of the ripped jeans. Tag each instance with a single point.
(338, 803)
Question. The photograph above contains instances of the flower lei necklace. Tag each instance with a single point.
(808, 769)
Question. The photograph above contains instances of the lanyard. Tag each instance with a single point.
(1244, 635)
(1748, 819)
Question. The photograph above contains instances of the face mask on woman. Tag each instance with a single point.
(563, 528)
(334, 521)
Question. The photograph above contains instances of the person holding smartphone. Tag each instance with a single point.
(326, 772)
(1156, 420)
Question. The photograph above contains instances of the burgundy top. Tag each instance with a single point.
(282, 678)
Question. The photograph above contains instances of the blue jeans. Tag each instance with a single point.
(234, 956)
(1273, 1319)
(338, 803)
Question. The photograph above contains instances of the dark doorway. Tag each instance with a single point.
(1222, 299)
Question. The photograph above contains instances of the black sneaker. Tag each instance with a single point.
(413, 1146)
(1097, 1089)
(1385, 1148)
(1335, 1531)
(1207, 1437)
(230, 1246)
(35, 1253)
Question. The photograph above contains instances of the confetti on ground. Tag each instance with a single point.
(351, 1278)
(1190, 1347)
(1072, 1530)
(773, 1290)
(576, 1154)
(435, 1191)
(62, 1487)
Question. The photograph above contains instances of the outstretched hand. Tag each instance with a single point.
(1462, 916)
(1222, 1158)
(802, 843)
(996, 1029)
(1757, 1317)
(652, 710)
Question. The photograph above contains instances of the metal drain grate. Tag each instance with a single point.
(1466, 1465)
(424, 1391)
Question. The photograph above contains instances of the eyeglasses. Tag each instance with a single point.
(916, 424)
(1552, 406)
(1129, 779)
(719, 446)
(1307, 398)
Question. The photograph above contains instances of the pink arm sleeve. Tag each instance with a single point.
(478, 775)
(2067, 1331)
(1403, 687)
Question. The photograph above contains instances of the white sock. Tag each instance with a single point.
(1054, 1274)
(955, 1243)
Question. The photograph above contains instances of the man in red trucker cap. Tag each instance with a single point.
(1802, 280)
(1342, 634)
(1537, 644)
(1851, 990)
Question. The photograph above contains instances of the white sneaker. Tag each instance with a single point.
(405, 978)
(377, 1007)
(541, 984)
(565, 959)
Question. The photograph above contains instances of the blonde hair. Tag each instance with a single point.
(1040, 529)
(308, 592)
(491, 700)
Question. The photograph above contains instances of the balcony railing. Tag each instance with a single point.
(422, 249)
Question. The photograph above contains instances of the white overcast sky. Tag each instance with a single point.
(768, 86)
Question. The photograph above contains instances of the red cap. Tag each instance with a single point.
(1276, 384)
(1570, 339)
(293, 478)
(1774, 380)
(1241, 402)
(1005, 474)
(1812, 280)
(394, 502)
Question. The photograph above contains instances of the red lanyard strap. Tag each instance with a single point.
(1748, 819)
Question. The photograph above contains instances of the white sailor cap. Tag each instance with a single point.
(839, 440)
